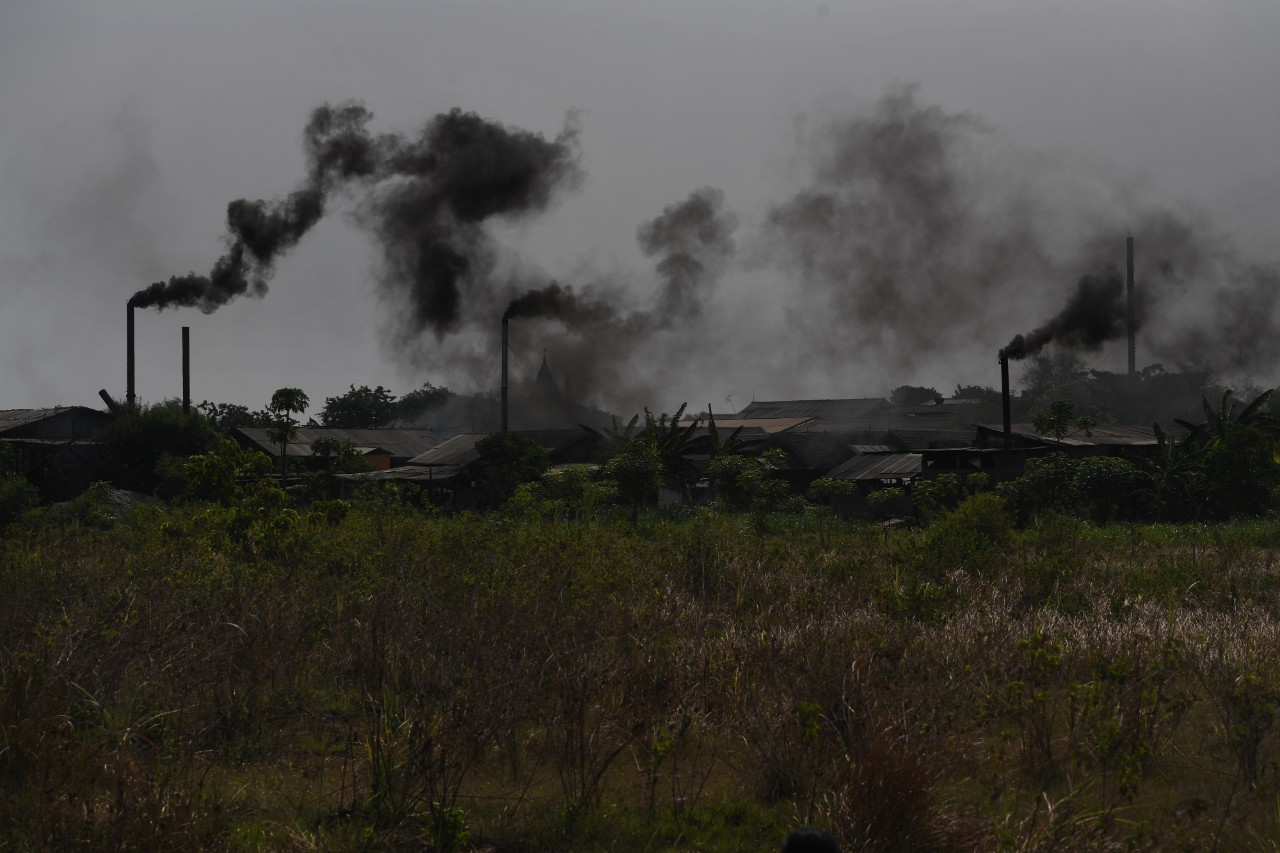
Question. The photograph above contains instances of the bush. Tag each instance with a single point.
(971, 532)
(17, 495)
(1108, 488)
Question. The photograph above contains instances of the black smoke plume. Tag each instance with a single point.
(259, 231)
(426, 198)
(693, 239)
(1094, 315)
(693, 243)
(562, 303)
(460, 172)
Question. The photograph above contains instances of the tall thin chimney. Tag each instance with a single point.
(130, 397)
(1133, 332)
(1004, 400)
(504, 372)
(186, 370)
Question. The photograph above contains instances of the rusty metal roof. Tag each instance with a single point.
(878, 466)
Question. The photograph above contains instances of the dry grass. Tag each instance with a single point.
(399, 680)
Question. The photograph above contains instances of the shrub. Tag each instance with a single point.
(1108, 488)
(17, 495)
(971, 532)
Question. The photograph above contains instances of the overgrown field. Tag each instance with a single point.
(381, 678)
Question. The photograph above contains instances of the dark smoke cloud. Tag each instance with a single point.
(258, 231)
(575, 309)
(889, 240)
(1094, 315)
(919, 234)
(693, 239)
(425, 198)
(460, 172)
(611, 345)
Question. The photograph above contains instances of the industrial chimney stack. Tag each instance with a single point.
(186, 370)
(1132, 324)
(504, 372)
(1004, 400)
(130, 397)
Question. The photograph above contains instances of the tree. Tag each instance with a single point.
(140, 444)
(339, 455)
(1058, 421)
(284, 402)
(913, 395)
(360, 408)
(507, 460)
(637, 469)
(225, 417)
(413, 406)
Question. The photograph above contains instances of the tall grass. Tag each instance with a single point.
(702, 680)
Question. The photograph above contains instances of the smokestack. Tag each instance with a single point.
(130, 397)
(1004, 400)
(1133, 330)
(112, 405)
(504, 372)
(186, 370)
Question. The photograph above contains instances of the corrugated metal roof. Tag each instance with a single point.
(817, 451)
(15, 418)
(826, 409)
(461, 449)
(400, 443)
(405, 473)
(1100, 436)
(880, 466)
(769, 425)
(872, 448)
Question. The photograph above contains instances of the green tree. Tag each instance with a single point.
(637, 468)
(360, 408)
(225, 417)
(138, 444)
(415, 405)
(339, 455)
(507, 460)
(1060, 420)
(284, 402)
(913, 395)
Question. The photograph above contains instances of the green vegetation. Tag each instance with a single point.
(238, 673)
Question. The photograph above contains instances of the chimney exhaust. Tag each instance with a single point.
(1004, 400)
(1133, 348)
(504, 372)
(130, 397)
(186, 370)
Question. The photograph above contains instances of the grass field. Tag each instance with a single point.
(194, 677)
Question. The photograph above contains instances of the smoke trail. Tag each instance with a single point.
(338, 149)
(426, 200)
(919, 235)
(562, 303)
(610, 345)
(1093, 315)
(461, 171)
(694, 239)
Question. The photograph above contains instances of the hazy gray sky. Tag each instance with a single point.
(127, 126)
